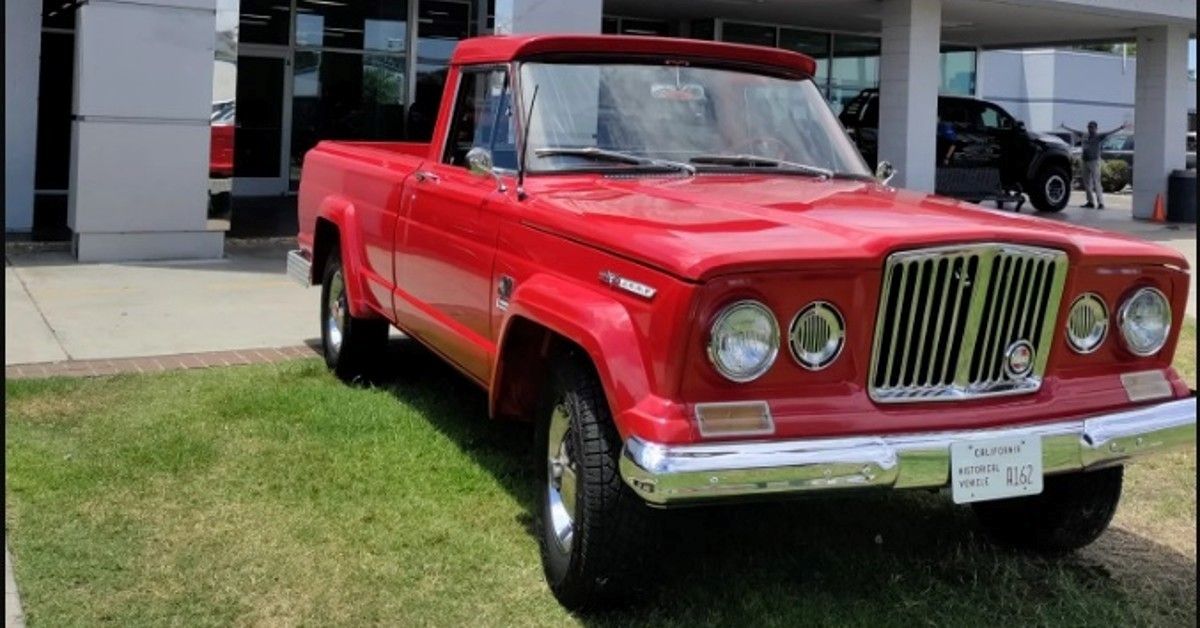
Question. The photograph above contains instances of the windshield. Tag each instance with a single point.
(678, 114)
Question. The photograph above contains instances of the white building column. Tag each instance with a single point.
(22, 52)
(909, 78)
(548, 16)
(1160, 112)
(140, 138)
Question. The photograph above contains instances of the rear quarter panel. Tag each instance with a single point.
(358, 188)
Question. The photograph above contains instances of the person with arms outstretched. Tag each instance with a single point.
(1091, 142)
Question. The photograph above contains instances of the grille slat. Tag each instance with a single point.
(925, 348)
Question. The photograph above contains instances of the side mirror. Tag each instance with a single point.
(479, 162)
(884, 172)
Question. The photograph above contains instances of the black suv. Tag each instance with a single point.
(980, 138)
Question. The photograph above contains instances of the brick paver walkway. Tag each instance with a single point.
(156, 364)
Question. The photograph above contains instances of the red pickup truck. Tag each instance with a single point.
(668, 255)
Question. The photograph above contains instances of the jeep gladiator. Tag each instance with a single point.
(668, 255)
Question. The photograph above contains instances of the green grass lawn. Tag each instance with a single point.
(275, 495)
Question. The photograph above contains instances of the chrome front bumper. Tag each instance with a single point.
(669, 475)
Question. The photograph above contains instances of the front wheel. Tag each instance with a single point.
(1072, 510)
(594, 533)
(352, 346)
(1050, 189)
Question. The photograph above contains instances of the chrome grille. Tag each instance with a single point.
(948, 316)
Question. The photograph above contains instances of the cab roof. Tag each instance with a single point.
(505, 48)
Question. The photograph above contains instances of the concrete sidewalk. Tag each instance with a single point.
(59, 310)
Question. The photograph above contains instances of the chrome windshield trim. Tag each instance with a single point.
(668, 475)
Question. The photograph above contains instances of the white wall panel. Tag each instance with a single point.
(22, 47)
(136, 176)
(138, 60)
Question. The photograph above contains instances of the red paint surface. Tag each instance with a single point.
(426, 255)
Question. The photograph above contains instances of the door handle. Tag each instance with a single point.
(425, 175)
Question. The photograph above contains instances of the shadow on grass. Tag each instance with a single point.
(870, 558)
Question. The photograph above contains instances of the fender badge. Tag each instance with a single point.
(504, 288)
(1018, 359)
(609, 278)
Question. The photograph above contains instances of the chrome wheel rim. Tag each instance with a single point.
(561, 479)
(1055, 189)
(335, 321)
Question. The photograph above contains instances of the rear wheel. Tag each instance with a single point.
(1050, 189)
(594, 533)
(1072, 510)
(352, 346)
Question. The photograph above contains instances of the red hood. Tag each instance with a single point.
(714, 224)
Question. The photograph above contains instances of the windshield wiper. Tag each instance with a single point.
(758, 161)
(603, 154)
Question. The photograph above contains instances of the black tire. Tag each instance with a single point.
(1073, 510)
(354, 351)
(1044, 190)
(604, 561)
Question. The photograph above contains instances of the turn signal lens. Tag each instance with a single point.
(741, 418)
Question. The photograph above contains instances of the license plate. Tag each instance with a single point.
(995, 468)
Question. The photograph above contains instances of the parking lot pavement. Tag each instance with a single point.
(58, 309)
(1118, 216)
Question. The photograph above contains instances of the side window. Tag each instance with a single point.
(483, 117)
(993, 118)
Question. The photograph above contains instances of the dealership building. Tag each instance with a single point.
(134, 126)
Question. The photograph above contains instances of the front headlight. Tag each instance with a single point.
(1145, 321)
(744, 341)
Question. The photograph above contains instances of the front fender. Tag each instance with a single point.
(1043, 157)
(341, 213)
(598, 323)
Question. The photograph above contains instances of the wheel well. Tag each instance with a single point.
(325, 237)
(1051, 161)
(528, 352)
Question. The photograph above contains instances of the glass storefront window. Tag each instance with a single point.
(753, 34)
(264, 22)
(704, 29)
(612, 25)
(441, 25)
(958, 71)
(345, 96)
(58, 14)
(359, 25)
(854, 67)
(813, 44)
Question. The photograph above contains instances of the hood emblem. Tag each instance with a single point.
(1018, 359)
(609, 278)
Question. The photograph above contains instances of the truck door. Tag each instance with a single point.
(1010, 144)
(448, 234)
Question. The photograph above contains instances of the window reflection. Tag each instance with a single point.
(854, 67)
(958, 71)
(345, 96)
(264, 22)
(441, 24)
(352, 24)
(815, 45)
